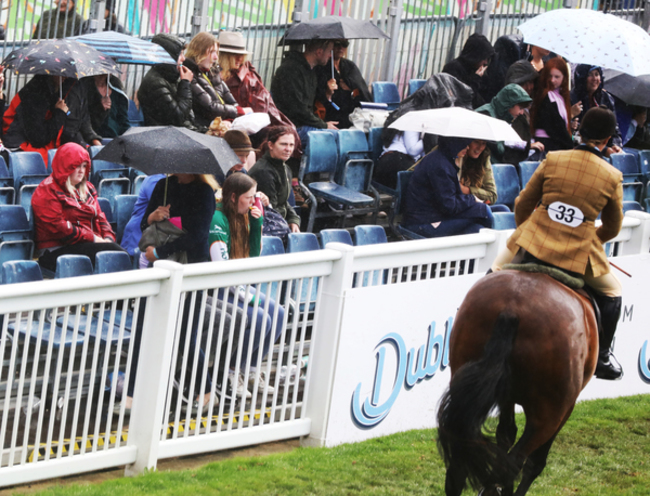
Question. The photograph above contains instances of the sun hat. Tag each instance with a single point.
(232, 42)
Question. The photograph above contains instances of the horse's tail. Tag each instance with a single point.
(477, 389)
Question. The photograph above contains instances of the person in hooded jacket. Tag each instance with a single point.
(67, 217)
(435, 204)
(471, 65)
(588, 92)
(508, 49)
(507, 105)
(165, 96)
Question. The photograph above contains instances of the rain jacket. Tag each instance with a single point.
(51, 27)
(600, 98)
(114, 121)
(61, 218)
(247, 88)
(507, 98)
(165, 98)
(477, 48)
(294, 90)
(273, 178)
(211, 97)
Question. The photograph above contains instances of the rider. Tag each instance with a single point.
(570, 188)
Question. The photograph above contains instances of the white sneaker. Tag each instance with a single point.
(261, 382)
(238, 386)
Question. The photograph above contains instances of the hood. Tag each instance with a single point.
(173, 45)
(67, 158)
(451, 146)
(580, 79)
(507, 98)
(521, 72)
(476, 48)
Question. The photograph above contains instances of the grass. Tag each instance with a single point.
(603, 450)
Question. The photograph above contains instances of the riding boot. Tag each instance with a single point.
(610, 310)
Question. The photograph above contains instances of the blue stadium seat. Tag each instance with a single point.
(112, 261)
(15, 234)
(352, 144)
(507, 183)
(628, 165)
(271, 245)
(386, 92)
(631, 205)
(296, 243)
(369, 235)
(499, 208)
(122, 213)
(107, 208)
(136, 117)
(136, 184)
(335, 236)
(73, 266)
(111, 188)
(644, 164)
(632, 191)
(7, 191)
(646, 203)
(374, 143)
(94, 150)
(403, 178)
(415, 84)
(504, 221)
(50, 157)
(28, 170)
(526, 170)
(17, 271)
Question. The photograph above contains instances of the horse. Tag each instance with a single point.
(518, 338)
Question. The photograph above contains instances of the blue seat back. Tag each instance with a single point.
(415, 84)
(26, 164)
(644, 159)
(369, 235)
(321, 156)
(335, 236)
(507, 183)
(94, 150)
(112, 261)
(298, 242)
(21, 271)
(50, 158)
(627, 164)
(122, 213)
(271, 245)
(385, 92)
(374, 143)
(136, 117)
(13, 218)
(499, 208)
(631, 205)
(632, 191)
(113, 187)
(353, 144)
(4, 170)
(73, 266)
(105, 205)
(526, 171)
(504, 221)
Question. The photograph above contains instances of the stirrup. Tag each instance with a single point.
(608, 368)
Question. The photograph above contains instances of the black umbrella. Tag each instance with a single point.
(332, 28)
(632, 90)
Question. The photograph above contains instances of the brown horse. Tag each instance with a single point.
(518, 338)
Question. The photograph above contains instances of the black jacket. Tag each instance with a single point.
(549, 119)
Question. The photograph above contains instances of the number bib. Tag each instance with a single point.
(565, 214)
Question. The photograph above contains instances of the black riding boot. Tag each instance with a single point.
(610, 310)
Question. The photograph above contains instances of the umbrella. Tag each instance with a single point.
(589, 37)
(332, 28)
(456, 121)
(632, 90)
(126, 49)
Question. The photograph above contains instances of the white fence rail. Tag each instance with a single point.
(73, 349)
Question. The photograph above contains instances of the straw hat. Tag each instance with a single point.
(232, 42)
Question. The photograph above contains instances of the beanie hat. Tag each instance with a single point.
(238, 141)
(598, 123)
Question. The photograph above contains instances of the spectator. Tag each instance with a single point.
(59, 22)
(211, 97)
(435, 204)
(243, 80)
(132, 230)
(537, 56)
(551, 111)
(635, 120)
(294, 87)
(507, 50)
(110, 20)
(471, 65)
(351, 90)
(165, 96)
(588, 92)
(273, 175)
(236, 232)
(475, 175)
(510, 103)
(67, 217)
(38, 120)
(108, 105)
(406, 148)
(241, 145)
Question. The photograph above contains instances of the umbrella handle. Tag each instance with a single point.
(60, 88)
(332, 59)
(165, 195)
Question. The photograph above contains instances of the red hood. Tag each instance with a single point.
(66, 160)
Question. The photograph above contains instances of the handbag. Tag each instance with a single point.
(159, 234)
(275, 225)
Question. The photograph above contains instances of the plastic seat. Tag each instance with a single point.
(7, 191)
(17, 271)
(415, 84)
(73, 266)
(632, 191)
(113, 187)
(504, 221)
(15, 234)
(94, 150)
(628, 165)
(403, 178)
(299, 242)
(369, 235)
(28, 170)
(136, 184)
(50, 158)
(644, 164)
(102, 169)
(375, 144)
(499, 208)
(335, 236)
(526, 171)
(136, 117)
(107, 208)
(122, 213)
(507, 183)
(271, 245)
(386, 92)
(631, 205)
(112, 261)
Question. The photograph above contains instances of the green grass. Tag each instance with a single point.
(603, 450)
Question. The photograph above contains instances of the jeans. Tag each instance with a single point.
(452, 227)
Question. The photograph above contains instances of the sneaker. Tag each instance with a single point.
(206, 404)
(237, 384)
(261, 383)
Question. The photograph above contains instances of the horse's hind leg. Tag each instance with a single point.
(534, 466)
(455, 481)
(507, 428)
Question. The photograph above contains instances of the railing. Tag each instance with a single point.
(72, 348)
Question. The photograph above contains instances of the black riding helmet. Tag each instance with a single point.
(598, 123)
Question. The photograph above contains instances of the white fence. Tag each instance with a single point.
(69, 351)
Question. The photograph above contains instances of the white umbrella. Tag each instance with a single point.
(589, 37)
(456, 121)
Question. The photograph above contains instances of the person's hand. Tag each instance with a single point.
(575, 124)
(96, 142)
(576, 110)
(611, 150)
(641, 117)
(481, 70)
(331, 87)
(478, 199)
(537, 145)
(264, 199)
(186, 74)
(61, 105)
(149, 254)
(161, 213)
(256, 213)
(99, 239)
(295, 228)
(106, 102)
(332, 124)
(247, 110)
(464, 188)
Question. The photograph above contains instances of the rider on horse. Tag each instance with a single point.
(555, 215)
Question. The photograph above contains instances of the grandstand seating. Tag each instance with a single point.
(73, 266)
(507, 182)
(299, 242)
(415, 84)
(7, 191)
(136, 117)
(386, 92)
(369, 235)
(374, 143)
(123, 208)
(504, 221)
(335, 236)
(499, 208)
(644, 164)
(631, 205)
(403, 178)
(50, 158)
(28, 170)
(526, 170)
(15, 234)
(632, 191)
(107, 208)
(628, 165)
(271, 245)
(112, 261)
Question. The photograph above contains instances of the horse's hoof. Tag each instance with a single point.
(491, 491)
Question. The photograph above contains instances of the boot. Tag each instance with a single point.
(608, 367)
